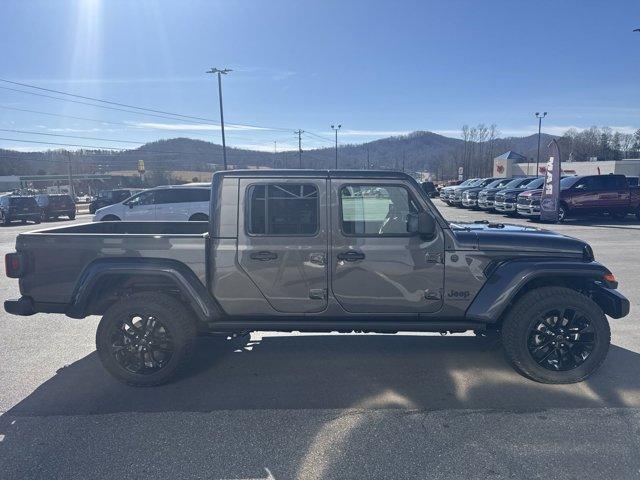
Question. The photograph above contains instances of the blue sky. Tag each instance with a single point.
(378, 68)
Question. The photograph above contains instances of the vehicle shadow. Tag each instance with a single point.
(336, 372)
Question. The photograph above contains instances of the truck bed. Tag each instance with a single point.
(57, 256)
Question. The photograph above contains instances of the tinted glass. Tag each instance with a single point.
(182, 195)
(373, 210)
(145, 198)
(535, 183)
(22, 202)
(568, 182)
(283, 209)
(632, 181)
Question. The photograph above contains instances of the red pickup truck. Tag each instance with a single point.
(587, 195)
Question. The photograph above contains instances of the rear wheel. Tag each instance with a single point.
(72, 216)
(144, 340)
(556, 335)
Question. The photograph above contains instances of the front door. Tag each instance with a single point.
(377, 266)
(282, 241)
(140, 207)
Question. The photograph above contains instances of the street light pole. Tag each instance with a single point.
(336, 128)
(539, 117)
(221, 72)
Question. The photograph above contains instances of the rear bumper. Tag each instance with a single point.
(612, 302)
(25, 306)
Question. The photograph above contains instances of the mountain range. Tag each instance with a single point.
(417, 151)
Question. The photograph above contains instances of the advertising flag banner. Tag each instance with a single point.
(550, 199)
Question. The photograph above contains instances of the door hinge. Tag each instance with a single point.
(433, 294)
(318, 293)
(434, 257)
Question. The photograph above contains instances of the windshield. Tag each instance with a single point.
(568, 182)
(535, 183)
(517, 182)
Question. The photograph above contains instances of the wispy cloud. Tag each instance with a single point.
(194, 127)
(374, 133)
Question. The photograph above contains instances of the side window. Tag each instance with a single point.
(169, 195)
(282, 209)
(375, 210)
(144, 198)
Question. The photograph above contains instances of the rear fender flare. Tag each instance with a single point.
(180, 275)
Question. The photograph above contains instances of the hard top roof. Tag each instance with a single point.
(388, 174)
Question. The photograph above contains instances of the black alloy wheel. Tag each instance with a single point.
(141, 344)
(562, 340)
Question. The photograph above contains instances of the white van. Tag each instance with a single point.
(169, 203)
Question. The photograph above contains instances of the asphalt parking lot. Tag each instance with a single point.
(322, 406)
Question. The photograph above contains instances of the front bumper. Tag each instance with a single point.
(485, 204)
(529, 210)
(612, 302)
(469, 202)
(503, 206)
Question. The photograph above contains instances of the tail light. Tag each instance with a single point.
(610, 280)
(14, 264)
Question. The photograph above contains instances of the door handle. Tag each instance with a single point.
(263, 256)
(351, 256)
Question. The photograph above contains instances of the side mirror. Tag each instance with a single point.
(422, 224)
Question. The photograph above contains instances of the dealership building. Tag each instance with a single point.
(512, 164)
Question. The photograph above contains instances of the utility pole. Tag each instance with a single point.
(334, 128)
(368, 164)
(221, 72)
(539, 117)
(299, 133)
(71, 192)
(275, 153)
(402, 160)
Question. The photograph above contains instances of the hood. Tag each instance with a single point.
(516, 239)
(492, 191)
(510, 191)
(531, 193)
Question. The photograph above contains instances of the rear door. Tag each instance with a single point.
(377, 267)
(282, 241)
(615, 196)
(172, 204)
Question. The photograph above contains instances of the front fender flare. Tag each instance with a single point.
(180, 275)
(508, 278)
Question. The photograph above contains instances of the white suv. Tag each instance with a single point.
(168, 203)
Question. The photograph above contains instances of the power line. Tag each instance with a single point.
(320, 137)
(109, 102)
(29, 132)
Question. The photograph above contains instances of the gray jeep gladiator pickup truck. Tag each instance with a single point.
(319, 251)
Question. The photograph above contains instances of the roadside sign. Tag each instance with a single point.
(141, 166)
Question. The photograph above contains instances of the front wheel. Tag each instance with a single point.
(144, 339)
(72, 216)
(556, 335)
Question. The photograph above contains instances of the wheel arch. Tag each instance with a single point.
(105, 281)
(511, 280)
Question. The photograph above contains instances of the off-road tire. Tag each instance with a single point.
(528, 310)
(175, 317)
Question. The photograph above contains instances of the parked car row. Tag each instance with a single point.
(615, 195)
(36, 208)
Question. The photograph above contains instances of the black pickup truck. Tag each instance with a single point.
(298, 250)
